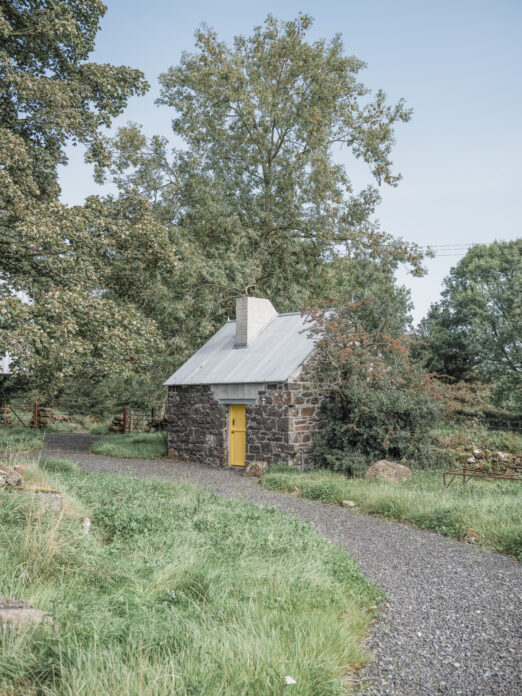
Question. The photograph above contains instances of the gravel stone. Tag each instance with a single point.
(453, 622)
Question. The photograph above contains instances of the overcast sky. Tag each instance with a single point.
(457, 63)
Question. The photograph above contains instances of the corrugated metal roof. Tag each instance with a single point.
(274, 354)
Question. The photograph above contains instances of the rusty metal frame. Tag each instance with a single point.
(14, 413)
(467, 473)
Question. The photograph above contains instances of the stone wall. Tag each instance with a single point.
(280, 425)
(306, 416)
(198, 426)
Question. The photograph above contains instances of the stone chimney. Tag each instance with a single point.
(252, 315)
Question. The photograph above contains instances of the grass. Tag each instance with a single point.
(491, 508)
(175, 591)
(99, 429)
(133, 445)
(20, 440)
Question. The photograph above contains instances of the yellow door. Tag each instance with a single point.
(237, 434)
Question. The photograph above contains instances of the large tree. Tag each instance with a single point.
(475, 331)
(257, 199)
(57, 256)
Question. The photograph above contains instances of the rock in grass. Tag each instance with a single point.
(470, 536)
(389, 471)
(19, 614)
(9, 476)
(348, 503)
(255, 469)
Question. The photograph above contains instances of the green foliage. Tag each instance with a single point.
(381, 422)
(132, 445)
(177, 591)
(256, 201)
(379, 402)
(490, 508)
(58, 256)
(475, 330)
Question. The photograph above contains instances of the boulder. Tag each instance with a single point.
(503, 456)
(19, 614)
(255, 469)
(478, 454)
(389, 471)
(348, 503)
(9, 476)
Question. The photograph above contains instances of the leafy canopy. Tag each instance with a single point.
(58, 256)
(256, 199)
(475, 330)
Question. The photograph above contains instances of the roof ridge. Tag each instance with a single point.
(283, 314)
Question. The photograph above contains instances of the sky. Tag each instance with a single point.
(456, 63)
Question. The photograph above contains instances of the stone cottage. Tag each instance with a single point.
(246, 394)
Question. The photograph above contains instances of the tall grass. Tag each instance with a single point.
(176, 592)
(133, 445)
(491, 508)
(20, 439)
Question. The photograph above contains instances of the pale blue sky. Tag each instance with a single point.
(457, 64)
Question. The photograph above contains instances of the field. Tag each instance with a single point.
(174, 591)
(490, 508)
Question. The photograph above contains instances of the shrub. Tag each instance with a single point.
(381, 403)
(381, 422)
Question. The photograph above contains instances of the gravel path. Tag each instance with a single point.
(453, 625)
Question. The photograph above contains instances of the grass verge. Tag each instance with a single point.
(14, 440)
(491, 508)
(176, 591)
(132, 446)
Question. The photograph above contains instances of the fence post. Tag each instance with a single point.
(153, 413)
(35, 415)
(125, 419)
